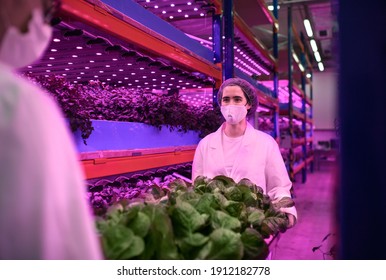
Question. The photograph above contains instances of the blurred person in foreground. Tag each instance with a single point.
(43, 207)
(237, 150)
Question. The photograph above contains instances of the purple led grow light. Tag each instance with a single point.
(194, 18)
(82, 56)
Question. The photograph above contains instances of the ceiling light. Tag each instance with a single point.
(308, 27)
(321, 66)
(317, 56)
(313, 45)
(295, 57)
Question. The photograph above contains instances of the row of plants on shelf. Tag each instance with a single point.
(102, 196)
(298, 154)
(97, 101)
(209, 219)
(297, 132)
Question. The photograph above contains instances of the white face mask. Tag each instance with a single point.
(234, 114)
(19, 50)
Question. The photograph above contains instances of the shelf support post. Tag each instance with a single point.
(275, 73)
(290, 90)
(304, 128)
(228, 41)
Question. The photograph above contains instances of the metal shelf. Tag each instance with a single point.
(136, 34)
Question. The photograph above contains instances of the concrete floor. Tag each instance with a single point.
(315, 202)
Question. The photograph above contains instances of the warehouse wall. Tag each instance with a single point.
(325, 105)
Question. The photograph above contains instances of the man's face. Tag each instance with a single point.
(234, 95)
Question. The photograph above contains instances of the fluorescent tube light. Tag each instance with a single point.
(308, 75)
(313, 45)
(295, 57)
(317, 56)
(321, 66)
(308, 27)
(301, 67)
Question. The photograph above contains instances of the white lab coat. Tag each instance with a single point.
(43, 206)
(259, 160)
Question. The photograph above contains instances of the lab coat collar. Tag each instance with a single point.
(247, 139)
(216, 146)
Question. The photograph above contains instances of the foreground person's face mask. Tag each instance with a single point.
(234, 114)
(19, 50)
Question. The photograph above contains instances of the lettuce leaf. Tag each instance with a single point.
(223, 244)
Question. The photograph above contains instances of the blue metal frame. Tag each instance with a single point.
(303, 86)
(290, 91)
(228, 61)
(217, 49)
(217, 41)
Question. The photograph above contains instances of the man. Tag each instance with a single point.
(43, 208)
(237, 150)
